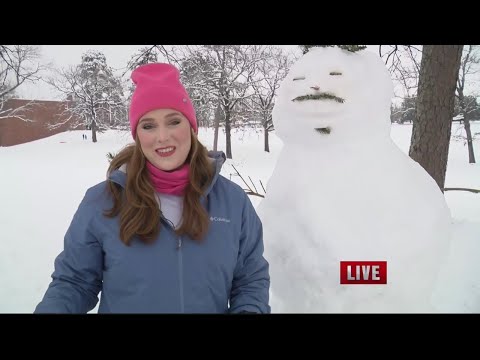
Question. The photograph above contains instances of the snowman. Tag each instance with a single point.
(341, 190)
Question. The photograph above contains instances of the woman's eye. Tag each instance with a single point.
(299, 78)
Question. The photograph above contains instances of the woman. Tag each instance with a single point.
(165, 233)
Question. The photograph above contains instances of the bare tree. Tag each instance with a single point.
(221, 78)
(18, 64)
(143, 56)
(403, 62)
(435, 105)
(468, 67)
(223, 72)
(272, 66)
(404, 66)
(193, 66)
(95, 95)
(238, 68)
(194, 69)
(405, 112)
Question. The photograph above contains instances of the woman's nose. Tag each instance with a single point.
(162, 135)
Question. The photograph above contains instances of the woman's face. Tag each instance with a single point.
(165, 138)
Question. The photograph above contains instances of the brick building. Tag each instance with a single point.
(14, 131)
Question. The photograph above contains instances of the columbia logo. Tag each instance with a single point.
(212, 218)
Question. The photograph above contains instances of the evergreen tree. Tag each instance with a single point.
(95, 94)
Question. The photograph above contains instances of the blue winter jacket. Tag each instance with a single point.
(226, 273)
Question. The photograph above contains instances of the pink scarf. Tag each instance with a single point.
(166, 182)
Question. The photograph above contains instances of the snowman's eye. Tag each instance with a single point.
(299, 78)
(333, 73)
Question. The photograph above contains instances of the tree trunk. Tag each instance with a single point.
(435, 104)
(471, 153)
(218, 113)
(94, 131)
(267, 146)
(466, 123)
(227, 135)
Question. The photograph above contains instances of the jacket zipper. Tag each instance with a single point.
(180, 264)
(180, 273)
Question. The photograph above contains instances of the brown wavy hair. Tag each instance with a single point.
(137, 206)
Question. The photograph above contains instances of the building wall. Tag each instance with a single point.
(14, 131)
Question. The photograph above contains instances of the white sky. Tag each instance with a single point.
(117, 57)
(35, 215)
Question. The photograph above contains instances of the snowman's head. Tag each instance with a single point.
(329, 91)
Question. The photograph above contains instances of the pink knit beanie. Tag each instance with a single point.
(158, 86)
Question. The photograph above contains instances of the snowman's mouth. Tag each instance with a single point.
(321, 96)
(324, 130)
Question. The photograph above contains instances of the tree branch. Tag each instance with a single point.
(462, 189)
(249, 190)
